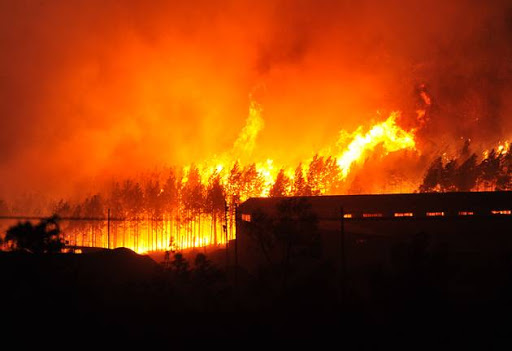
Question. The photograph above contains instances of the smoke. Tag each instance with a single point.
(90, 90)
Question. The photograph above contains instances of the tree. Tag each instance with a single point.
(153, 206)
(180, 267)
(466, 175)
(300, 186)
(280, 186)
(289, 237)
(193, 194)
(116, 211)
(433, 176)
(94, 209)
(504, 177)
(448, 174)
(132, 198)
(215, 201)
(170, 202)
(316, 172)
(296, 228)
(204, 273)
(251, 183)
(489, 169)
(234, 183)
(42, 238)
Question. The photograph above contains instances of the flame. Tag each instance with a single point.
(357, 145)
(422, 116)
(426, 99)
(503, 148)
(189, 224)
(246, 141)
(387, 133)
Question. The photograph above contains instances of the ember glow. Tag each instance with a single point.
(166, 112)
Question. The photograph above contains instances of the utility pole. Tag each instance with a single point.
(236, 250)
(108, 228)
(226, 208)
(343, 263)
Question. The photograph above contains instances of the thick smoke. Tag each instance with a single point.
(94, 89)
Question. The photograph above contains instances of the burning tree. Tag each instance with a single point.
(494, 172)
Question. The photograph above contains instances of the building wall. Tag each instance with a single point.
(460, 222)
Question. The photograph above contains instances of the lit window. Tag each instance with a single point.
(403, 214)
(347, 215)
(246, 217)
(372, 215)
(501, 212)
(435, 214)
(466, 213)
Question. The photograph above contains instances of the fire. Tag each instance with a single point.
(387, 134)
(426, 102)
(246, 141)
(503, 148)
(195, 206)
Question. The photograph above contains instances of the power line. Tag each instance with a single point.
(105, 219)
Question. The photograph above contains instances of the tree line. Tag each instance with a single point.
(467, 173)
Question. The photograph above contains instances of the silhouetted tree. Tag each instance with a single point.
(153, 206)
(251, 182)
(93, 209)
(205, 273)
(215, 200)
(64, 209)
(170, 200)
(316, 173)
(504, 176)
(78, 228)
(433, 176)
(261, 232)
(322, 174)
(289, 237)
(280, 186)
(132, 199)
(300, 186)
(193, 194)
(296, 228)
(180, 267)
(465, 150)
(41, 238)
(115, 204)
(448, 175)
(466, 175)
(234, 183)
(488, 170)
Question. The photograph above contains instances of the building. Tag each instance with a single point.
(368, 227)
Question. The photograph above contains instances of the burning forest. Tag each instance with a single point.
(155, 124)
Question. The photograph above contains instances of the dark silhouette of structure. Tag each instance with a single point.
(374, 224)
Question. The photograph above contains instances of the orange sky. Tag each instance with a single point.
(94, 89)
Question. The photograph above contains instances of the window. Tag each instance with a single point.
(404, 214)
(246, 217)
(501, 212)
(466, 213)
(347, 215)
(435, 214)
(372, 215)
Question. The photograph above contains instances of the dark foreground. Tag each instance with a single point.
(121, 297)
